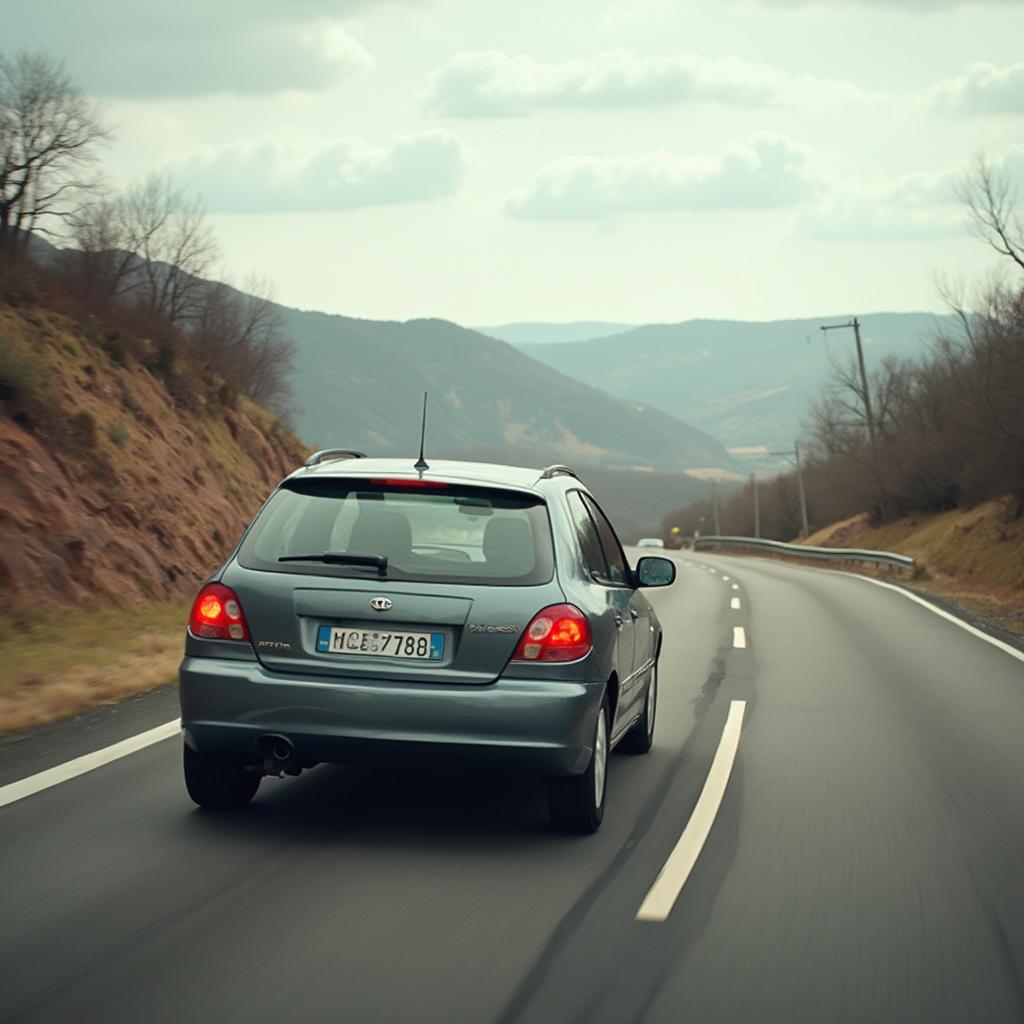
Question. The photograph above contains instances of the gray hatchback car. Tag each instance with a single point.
(466, 616)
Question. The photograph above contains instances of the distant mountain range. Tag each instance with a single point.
(744, 383)
(540, 333)
(631, 407)
(359, 383)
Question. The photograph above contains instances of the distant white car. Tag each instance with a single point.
(650, 542)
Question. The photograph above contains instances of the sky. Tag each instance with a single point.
(627, 160)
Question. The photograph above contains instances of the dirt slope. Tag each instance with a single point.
(118, 485)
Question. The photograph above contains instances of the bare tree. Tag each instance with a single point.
(241, 335)
(991, 200)
(49, 133)
(166, 229)
(100, 266)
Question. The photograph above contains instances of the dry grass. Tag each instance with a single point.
(58, 662)
(972, 556)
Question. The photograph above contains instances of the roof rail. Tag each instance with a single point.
(553, 471)
(333, 453)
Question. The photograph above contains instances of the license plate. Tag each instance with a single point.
(380, 643)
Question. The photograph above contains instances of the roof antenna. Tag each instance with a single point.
(421, 463)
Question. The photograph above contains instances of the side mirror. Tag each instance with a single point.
(655, 572)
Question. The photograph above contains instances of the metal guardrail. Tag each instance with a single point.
(888, 558)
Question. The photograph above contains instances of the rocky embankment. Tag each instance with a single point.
(124, 475)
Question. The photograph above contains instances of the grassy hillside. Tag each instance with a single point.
(744, 383)
(123, 483)
(974, 556)
(359, 383)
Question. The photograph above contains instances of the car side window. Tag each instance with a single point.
(618, 567)
(586, 535)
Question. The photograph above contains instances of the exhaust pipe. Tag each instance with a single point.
(275, 748)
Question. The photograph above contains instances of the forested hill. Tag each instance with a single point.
(359, 383)
(746, 383)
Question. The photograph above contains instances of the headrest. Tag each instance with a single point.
(508, 545)
(381, 532)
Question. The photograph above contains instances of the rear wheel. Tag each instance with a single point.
(640, 738)
(218, 780)
(576, 804)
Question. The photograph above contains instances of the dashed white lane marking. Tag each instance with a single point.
(661, 898)
(735, 586)
(725, 579)
(714, 571)
(86, 763)
(739, 636)
(735, 604)
(1012, 651)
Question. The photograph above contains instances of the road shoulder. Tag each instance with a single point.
(35, 750)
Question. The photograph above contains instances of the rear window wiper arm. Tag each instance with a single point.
(378, 562)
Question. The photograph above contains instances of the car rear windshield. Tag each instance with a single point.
(450, 533)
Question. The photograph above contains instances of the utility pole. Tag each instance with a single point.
(800, 485)
(795, 461)
(868, 415)
(757, 506)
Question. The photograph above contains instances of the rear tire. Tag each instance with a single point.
(640, 738)
(576, 804)
(218, 780)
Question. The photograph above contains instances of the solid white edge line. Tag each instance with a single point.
(948, 616)
(86, 763)
(734, 604)
(935, 609)
(739, 637)
(662, 896)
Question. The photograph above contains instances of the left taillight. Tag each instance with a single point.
(217, 614)
(559, 632)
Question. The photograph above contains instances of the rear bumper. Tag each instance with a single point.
(530, 727)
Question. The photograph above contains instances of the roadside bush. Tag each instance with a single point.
(82, 432)
(117, 433)
(117, 347)
(20, 376)
(23, 391)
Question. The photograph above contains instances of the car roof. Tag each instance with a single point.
(485, 473)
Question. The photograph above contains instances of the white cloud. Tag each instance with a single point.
(127, 49)
(916, 207)
(982, 89)
(338, 175)
(495, 84)
(772, 172)
(853, 216)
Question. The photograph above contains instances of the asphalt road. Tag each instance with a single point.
(866, 863)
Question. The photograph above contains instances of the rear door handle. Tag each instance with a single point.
(634, 614)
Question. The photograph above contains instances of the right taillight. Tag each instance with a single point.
(557, 633)
(217, 614)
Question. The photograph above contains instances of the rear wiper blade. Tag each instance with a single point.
(378, 562)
